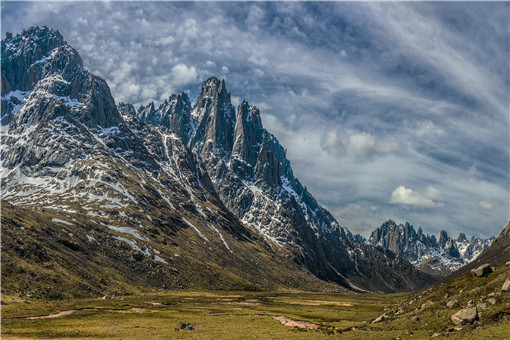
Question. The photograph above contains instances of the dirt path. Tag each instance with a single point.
(293, 323)
(51, 316)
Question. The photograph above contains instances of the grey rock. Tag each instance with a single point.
(452, 303)
(381, 318)
(464, 316)
(492, 301)
(426, 304)
(506, 285)
(481, 306)
(483, 270)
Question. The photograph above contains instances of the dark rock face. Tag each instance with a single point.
(437, 257)
(23, 57)
(174, 114)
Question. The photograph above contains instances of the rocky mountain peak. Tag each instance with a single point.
(214, 88)
(462, 237)
(35, 53)
(443, 238)
(437, 257)
(250, 172)
(126, 109)
(38, 66)
(146, 113)
(215, 120)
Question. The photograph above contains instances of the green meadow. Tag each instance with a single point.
(231, 315)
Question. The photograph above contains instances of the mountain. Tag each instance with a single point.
(254, 179)
(100, 198)
(438, 257)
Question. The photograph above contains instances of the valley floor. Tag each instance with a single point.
(229, 315)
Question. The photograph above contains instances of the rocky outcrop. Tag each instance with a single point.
(452, 303)
(464, 316)
(506, 285)
(24, 56)
(483, 270)
(438, 257)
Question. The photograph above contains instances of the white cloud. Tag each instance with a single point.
(403, 195)
(183, 74)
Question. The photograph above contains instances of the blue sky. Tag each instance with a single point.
(388, 110)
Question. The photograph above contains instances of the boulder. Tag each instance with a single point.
(483, 270)
(465, 316)
(187, 326)
(506, 285)
(481, 306)
(452, 303)
(492, 301)
(381, 318)
(426, 304)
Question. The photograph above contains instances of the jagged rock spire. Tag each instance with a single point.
(248, 134)
(215, 116)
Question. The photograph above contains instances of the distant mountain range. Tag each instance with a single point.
(437, 257)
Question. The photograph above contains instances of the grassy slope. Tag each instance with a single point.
(47, 259)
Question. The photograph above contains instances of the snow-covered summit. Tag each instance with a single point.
(437, 256)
